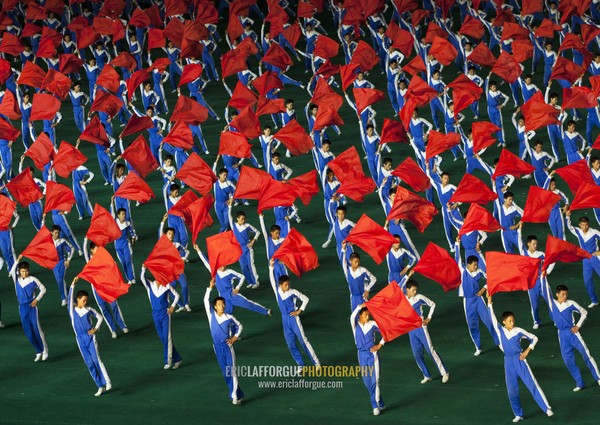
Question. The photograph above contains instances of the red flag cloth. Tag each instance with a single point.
(67, 159)
(438, 265)
(482, 135)
(233, 61)
(136, 124)
(7, 210)
(577, 97)
(365, 56)
(464, 93)
(103, 227)
(510, 272)
(433, 31)
(104, 26)
(197, 174)
(198, 213)
(8, 131)
(305, 9)
(223, 249)
(86, 37)
(443, 51)
(106, 102)
(277, 57)
(9, 106)
(274, 193)
(41, 249)
(325, 96)
(135, 189)
(327, 115)
(190, 73)
(472, 27)
(596, 144)
(246, 122)
(415, 66)
(24, 189)
(502, 16)
(139, 19)
(95, 133)
(140, 157)
(306, 185)
(522, 50)
(393, 131)
(393, 312)
(547, 29)
(234, 144)
(510, 163)
(164, 261)
(439, 142)
(471, 189)
(417, 210)
(189, 111)
(346, 164)
(410, 173)
(11, 44)
(57, 84)
(482, 55)
(328, 70)
(104, 275)
(407, 110)
(420, 91)
(30, 29)
(174, 32)
(109, 79)
(265, 83)
(234, 27)
(401, 39)
(564, 69)
(135, 80)
(514, 31)
(479, 219)
(180, 136)
(44, 107)
(538, 113)
(538, 205)
(365, 97)
(372, 238)
(507, 68)
(588, 33)
(357, 187)
(69, 63)
(571, 41)
(179, 209)
(156, 38)
(529, 7)
(348, 74)
(575, 174)
(242, 96)
(58, 197)
(250, 182)
(587, 196)
(297, 253)
(160, 64)
(124, 60)
(292, 34)
(295, 138)
(270, 106)
(558, 250)
(325, 47)
(207, 13)
(5, 70)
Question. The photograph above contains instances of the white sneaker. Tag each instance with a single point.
(446, 378)
(113, 334)
(80, 253)
(477, 352)
(188, 308)
(592, 305)
(236, 401)
(167, 366)
(125, 330)
(180, 309)
(177, 364)
(108, 386)
(576, 389)
(256, 285)
(549, 412)
(269, 313)
(38, 357)
(326, 244)
(425, 380)
(99, 392)
(376, 411)
(2, 326)
(63, 303)
(518, 419)
(536, 326)
(598, 381)
(44, 356)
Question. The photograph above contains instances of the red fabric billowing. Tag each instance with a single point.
(295, 138)
(265, 83)
(223, 249)
(479, 219)
(529, 7)
(44, 107)
(306, 186)
(348, 74)
(274, 193)
(135, 189)
(58, 197)
(538, 205)
(57, 84)
(538, 113)
(270, 106)
(510, 163)
(86, 37)
(547, 29)
(124, 60)
(104, 275)
(507, 68)
(24, 189)
(250, 182)
(411, 174)
(482, 55)
(464, 93)
(439, 142)
(409, 206)
(482, 134)
(365, 97)
(156, 39)
(109, 79)
(578, 97)
(587, 196)
(522, 50)
(433, 31)
(197, 174)
(372, 238)
(393, 312)
(190, 73)
(365, 56)
(137, 124)
(325, 96)
(133, 82)
(11, 44)
(164, 261)
(7, 210)
(346, 164)
(277, 57)
(514, 31)
(180, 136)
(438, 265)
(443, 51)
(95, 133)
(292, 34)
(401, 39)
(41, 151)
(575, 174)
(393, 131)
(233, 61)
(69, 63)
(325, 47)
(415, 66)
(140, 157)
(246, 122)
(297, 253)
(564, 69)
(179, 209)
(420, 91)
(32, 75)
(67, 159)
(198, 215)
(510, 272)
(471, 189)
(242, 96)
(103, 227)
(41, 249)
(8, 131)
(107, 103)
(472, 27)
(234, 144)
(327, 115)
(558, 250)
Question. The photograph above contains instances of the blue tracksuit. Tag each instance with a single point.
(174, 221)
(223, 192)
(571, 147)
(341, 230)
(541, 161)
(469, 242)
(7, 247)
(82, 201)
(224, 283)
(509, 216)
(26, 292)
(223, 328)
(589, 242)
(65, 252)
(79, 100)
(273, 245)
(359, 281)
(60, 220)
(494, 100)
(535, 293)
(124, 250)
(398, 260)
(242, 234)
(108, 310)
(444, 194)
(556, 219)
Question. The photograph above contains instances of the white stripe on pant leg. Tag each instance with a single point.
(434, 355)
(536, 384)
(467, 319)
(100, 364)
(310, 348)
(118, 313)
(72, 234)
(531, 305)
(42, 336)
(592, 361)
(169, 343)
(233, 373)
(102, 311)
(376, 370)
(252, 302)
(252, 266)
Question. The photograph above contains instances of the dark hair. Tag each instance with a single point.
(120, 210)
(507, 314)
(240, 214)
(362, 310)
(370, 126)
(584, 219)
(410, 283)
(219, 299)
(472, 259)
(92, 245)
(275, 155)
(23, 265)
(508, 194)
(594, 159)
(170, 157)
(288, 101)
(445, 173)
(387, 160)
(54, 228)
(267, 127)
(223, 170)
(355, 255)
(531, 238)
(493, 83)
(283, 278)
(341, 208)
(560, 288)
(168, 229)
(275, 228)
(81, 294)
(173, 187)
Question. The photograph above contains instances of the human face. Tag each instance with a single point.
(509, 323)
(396, 245)
(562, 296)
(585, 226)
(354, 263)
(387, 166)
(596, 165)
(170, 235)
(121, 216)
(275, 234)
(532, 245)
(325, 147)
(267, 132)
(508, 201)
(473, 267)
(241, 219)
(364, 317)
(369, 131)
(330, 177)
(411, 292)
(175, 193)
(538, 148)
(275, 160)
(220, 307)
(222, 177)
(571, 128)
(24, 273)
(341, 215)
(552, 186)
(55, 234)
(285, 286)
(82, 301)
(445, 179)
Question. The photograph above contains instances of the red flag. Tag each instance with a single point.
(265, 83)
(223, 249)
(136, 124)
(366, 97)
(439, 142)
(514, 31)
(507, 68)
(325, 96)
(104, 275)
(510, 272)
(139, 19)
(24, 189)
(135, 80)
(529, 7)
(482, 135)
(109, 79)
(482, 55)
(44, 107)
(410, 172)
(348, 74)
(140, 157)
(174, 32)
(106, 102)
(575, 174)
(197, 174)
(372, 238)
(325, 47)
(233, 61)
(294, 138)
(365, 56)
(437, 264)
(58, 197)
(471, 189)
(538, 113)
(443, 51)
(270, 106)
(246, 122)
(8, 131)
(242, 96)
(393, 131)
(274, 193)
(164, 261)
(510, 163)
(10, 107)
(547, 29)
(199, 214)
(464, 93)
(11, 44)
(7, 209)
(124, 60)
(564, 69)
(5, 70)
(433, 31)
(95, 133)
(69, 63)
(57, 83)
(472, 27)
(415, 66)
(179, 209)
(156, 38)
(393, 312)
(306, 186)
(250, 182)
(180, 136)
(538, 205)
(190, 73)
(356, 187)
(328, 70)
(409, 206)
(479, 219)
(292, 34)
(420, 91)
(571, 41)
(135, 189)
(401, 39)
(41, 151)
(522, 50)
(297, 253)
(234, 144)
(277, 57)
(86, 37)
(346, 164)
(578, 97)
(103, 227)
(588, 33)
(558, 250)
(327, 115)
(67, 159)
(41, 249)
(587, 196)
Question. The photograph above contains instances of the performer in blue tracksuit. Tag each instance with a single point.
(588, 240)
(496, 100)
(92, 71)
(85, 335)
(445, 190)
(273, 241)
(225, 331)
(364, 330)
(420, 340)
(542, 161)
(341, 229)
(515, 365)
(171, 196)
(562, 311)
(65, 253)
(556, 219)
(161, 314)
(509, 217)
(6, 241)
(184, 300)
(79, 99)
(26, 287)
(59, 218)
(473, 303)
(117, 173)
(224, 279)
(570, 139)
(123, 245)
(242, 232)
(224, 190)
(555, 130)
(292, 327)
(360, 280)
(81, 177)
(399, 261)
(434, 80)
(471, 242)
